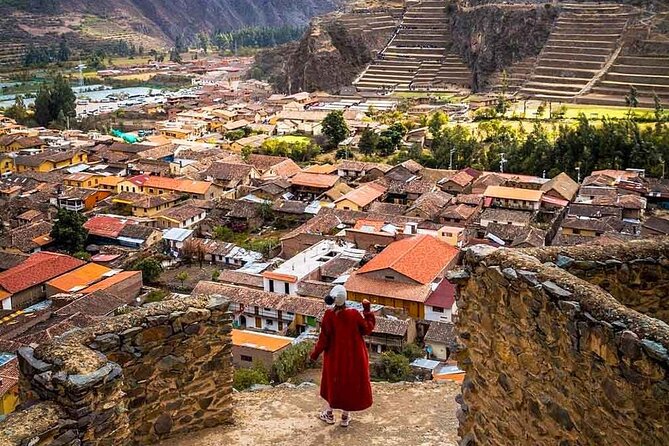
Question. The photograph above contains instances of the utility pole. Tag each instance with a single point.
(502, 161)
(578, 174)
(450, 161)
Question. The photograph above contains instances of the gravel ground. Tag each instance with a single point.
(402, 414)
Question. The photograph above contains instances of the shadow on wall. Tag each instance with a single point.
(553, 359)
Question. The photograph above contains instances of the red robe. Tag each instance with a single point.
(345, 381)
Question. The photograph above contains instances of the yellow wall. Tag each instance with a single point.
(347, 204)
(414, 309)
(48, 166)
(9, 400)
(582, 232)
(6, 165)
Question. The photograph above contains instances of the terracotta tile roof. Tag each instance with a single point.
(387, 208)
(264, 162)
(110, 281)
(462, 178)
(10, 259)
(563, 185)
(250, 297)
(285, 169)
(392, 327)
(504, 215)
(105, 226)
(145, 201)
(512, 193)
(9, 376)
(314, 180)
(22, 238)
(181, 213)
(98, 303)
(369, 225)
(360, 283)
(338, 191)
(39, 268)
(80, 277)
(178, 185)
(421, 258)
(431, 203)
(228, 171)
(443, 295)
(459, 212)
(441, 332)
(320, 168)
(235, 277)
(314, 288)
(412, 166)
(364, 195)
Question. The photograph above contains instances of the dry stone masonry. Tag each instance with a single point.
(158, 371)
(553, 359)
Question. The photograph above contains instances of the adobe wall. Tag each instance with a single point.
(158, 371)
(551, 359)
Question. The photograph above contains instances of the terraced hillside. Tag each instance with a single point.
(152, 23)
(586, 37)
(419, 56)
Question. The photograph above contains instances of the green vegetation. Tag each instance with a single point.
(292, 139)
(413, 352)
(335, 128)
(299, 150)
(393, 367)
(55, 103)
(291, 361)
(247, 378)
(68, 232)
(150, 268)
(585, 145)
(182, 277)
(156, 296)
(255, 37)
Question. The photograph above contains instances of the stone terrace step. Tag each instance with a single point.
(589, 43)
(647, 70)
(554, 55)
(564, 49)
(561, 86)
(569, 64)
(638, 78)
(643, 60)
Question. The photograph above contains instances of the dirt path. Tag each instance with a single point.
(403, 414)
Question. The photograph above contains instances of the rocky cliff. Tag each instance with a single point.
(328, 57)
(491, 37)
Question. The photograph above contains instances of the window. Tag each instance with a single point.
(286, 288)
(246, 358)
(389, 277)
(437, 309)
(271, 285)
(256, 310)
(269, 322)
(576, 231)
(280, 325)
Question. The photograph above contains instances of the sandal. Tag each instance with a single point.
(345, 420)
(327, 416)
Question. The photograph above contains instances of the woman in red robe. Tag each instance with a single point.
(345, 383)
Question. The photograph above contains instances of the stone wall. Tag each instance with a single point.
(158, 371)
(551, 359)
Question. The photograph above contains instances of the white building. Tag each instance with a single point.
(284, 279)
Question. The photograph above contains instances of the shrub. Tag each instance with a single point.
(292, 361)
(393, 367)
(413, 352)
(155, 296)
(246, 378)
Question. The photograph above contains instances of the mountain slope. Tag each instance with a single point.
(152, 23)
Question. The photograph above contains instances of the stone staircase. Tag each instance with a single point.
(418, 56)
(369, 21)
(585, 37)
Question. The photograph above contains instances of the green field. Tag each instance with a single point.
(292, 139)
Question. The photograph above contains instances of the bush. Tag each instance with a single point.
(292, 361)
(82, 255)
(155, 296)
(393, 367)
(413, 352)
(246, 378)
(224, 234)
(151, 269)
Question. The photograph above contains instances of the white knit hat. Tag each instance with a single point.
(338, 292)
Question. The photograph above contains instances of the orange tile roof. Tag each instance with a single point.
(179, 185)
(38, 268)
(314, 180)
(277, 276)
(82, 276)
(109, 281)
(110, 181)
(321, 168)
(259, 341)
(364, 195)
(420, 258)
(513, 193)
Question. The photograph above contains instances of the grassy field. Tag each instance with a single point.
(135, 77)
(292, 139)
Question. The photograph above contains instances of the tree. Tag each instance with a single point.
(179, 44)
(335, 128)
(632, 99)
(203, 39)
(63, 51)
(68, 231)
(368, 141)
(193, 250)
(18, 111)
(413, 352)
(182, 277)
(175, 56)
(215, 274)
(265, 211)
(436, 123)
(224, 234)
(658, 108)
(55, 100)
(150, 268)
